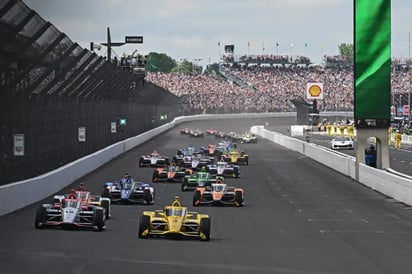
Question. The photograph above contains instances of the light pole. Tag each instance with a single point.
(291, 52)
(277, 46)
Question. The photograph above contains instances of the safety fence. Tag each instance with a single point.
(60, 102)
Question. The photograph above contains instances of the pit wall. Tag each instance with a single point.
(388, 182)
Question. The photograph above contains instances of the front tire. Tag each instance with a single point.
(144, 224)
(155, 176)
(196, 198)
(238, 198)
(205, 228)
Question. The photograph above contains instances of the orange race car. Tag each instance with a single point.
(171, 173)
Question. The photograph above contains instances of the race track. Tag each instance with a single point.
(299, 217)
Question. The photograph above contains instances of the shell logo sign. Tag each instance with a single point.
(314, 90)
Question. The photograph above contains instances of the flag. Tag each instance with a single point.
(372, 38)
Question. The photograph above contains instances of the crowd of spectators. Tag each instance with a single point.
(267, 90)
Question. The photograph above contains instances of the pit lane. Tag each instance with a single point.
(299, 217)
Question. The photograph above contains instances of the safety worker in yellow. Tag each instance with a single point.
(342, 130)
(350, 131)
(398, 139)
(335, 129)
(389, 135)
(328, 129)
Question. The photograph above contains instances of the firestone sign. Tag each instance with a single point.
(314, 90)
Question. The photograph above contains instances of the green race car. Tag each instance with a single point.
(200, 179)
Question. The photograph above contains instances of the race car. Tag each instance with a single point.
(174, 221)
(218, 194)
(224, 169)
(171, 173)
(342, 143)
(235, 156)
(182, 153)
(87, 199)
(184, 131)
(196, 161)
(153, 159)
(210, 150)
(211, 131)
(196, 133)
(70, 214)
(199, 179)
(248, 138)
(129, 191)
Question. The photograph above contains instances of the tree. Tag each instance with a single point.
(183, 67)
(346, 50)
(160, 62)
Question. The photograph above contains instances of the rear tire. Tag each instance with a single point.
(106, 205)
(144, 224)
(205, 228)
(40, 217)
(147, 196)
(98, 219)
(105, 193)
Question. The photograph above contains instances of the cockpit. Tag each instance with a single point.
(72, 203)
(175, 211)
(127, 184)
(83, 195)
(221, 164)
(218, 187)
(202, 175)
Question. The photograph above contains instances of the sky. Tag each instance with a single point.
(194, 29)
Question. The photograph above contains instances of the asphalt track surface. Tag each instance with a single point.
(299, 217)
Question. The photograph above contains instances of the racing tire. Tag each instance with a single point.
(105, 193)
(141, 162)
(40, 217)
(185, 184)
(205, 228)
(238, 198)
(236, 172)
(106, 205)
(155, 176)
(98, 219)
(196, 198)
(147, 196)
(143, 225)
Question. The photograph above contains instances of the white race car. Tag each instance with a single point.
(342, 143)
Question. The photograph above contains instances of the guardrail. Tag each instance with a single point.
(392, 184)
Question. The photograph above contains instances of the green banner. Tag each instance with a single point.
(372, 38)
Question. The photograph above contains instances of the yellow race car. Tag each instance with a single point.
(236, 157)
(174, 221)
